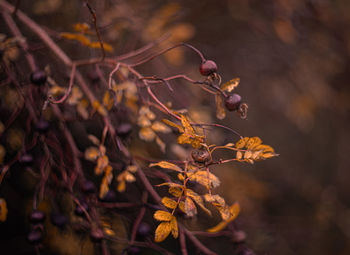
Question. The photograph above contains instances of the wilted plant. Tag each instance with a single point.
(58, 158)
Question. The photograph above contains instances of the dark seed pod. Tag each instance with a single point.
(233, 102)
(26, 159)
(124, 129)
(144, 229)
(79, 211)
(132, 250)
(42, 126)
(88, 187)
(208, 67)
(37, 216)
(59, 220)
(35, 236)
(96, 235)
(38, 77)
(200, 155)
(111, 196)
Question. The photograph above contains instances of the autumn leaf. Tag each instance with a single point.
(230, 85)
(162, 215)
(204, 178)
(160, 127)
(147, 134)
(220, 110)
(169, 203)
(172, 124)
(162, 232)
(190, 207)
(92, 153)
(3, 210)
(174, 227)
(197, 199)
(167, 165)
(234, 211)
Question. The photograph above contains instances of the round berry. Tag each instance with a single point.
(26, 159)
(132, 250)
(208, 67)
(37, 216)
(35, 236)
(38, 77)
(96, 235)
(59, 220)
(200, 155)
(144, 229)
(111, 196)
(233, 102)
(88, 187)
(124, 129)
(78, 209)
(42, 126)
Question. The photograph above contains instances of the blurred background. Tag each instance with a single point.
(292, 57)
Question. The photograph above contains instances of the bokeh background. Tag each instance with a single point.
(292, 57)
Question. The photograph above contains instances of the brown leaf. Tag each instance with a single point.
(167, 165)
(230, 85)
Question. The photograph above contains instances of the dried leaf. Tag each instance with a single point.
(92, 153)
(174, 228)
(162, 231)
(230, 85)
(253, 142)
(198, 200)
(242, 143)
(172, 124)
(104, 188)
(234, 210)
(204, 178)
(3, 210)
(220, 110)
(147, 134)
(168, 202)
(160, 127)
(108, 100)
(162, 215)
(239, 155)
(190, 207)
(220, 205)
(176, 191)
(102, 162)
(167, 165)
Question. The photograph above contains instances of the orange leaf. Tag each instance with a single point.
(162, 231)
(162, 215)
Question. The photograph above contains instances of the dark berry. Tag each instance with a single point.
(124, 129)
(37, 216)
(233, 102)
(88, 187)
(144, 229)
(38, 77)
(26, 159)
(133, 250)
(79, 211)
(200, 155)
(96, 235)
(111, 196)
(42, 126)
(208, 67)
(35, 236)
(59, 220)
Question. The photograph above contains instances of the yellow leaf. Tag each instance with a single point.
(239, 155)
(132, 168)
(230, 85)
(160, 127)
(172, 124)
(253, 142)
(168, 202)
(104, 188)
(81, 27)
(75, 96)
(197, 199)
(102, 162)
(220, 205)
(181, 177)
(269, 155)
(205, 179)
(247, 154)
(121, 186)
(147, 134)
(78, 37)
(129, 177)
(187, 126)
(234, 210)
(264, 148)
(91, 153)
(108, 100)
(3, 210)
(167, 165)
(220, 110)
(175, 191)
(94, 140)
(97, 45)
(57, 90)
(161, 144)
(174, 228)
(162, 231)
(242, 142)
(162, 215)
(182, 206)
(144, 110)
(190, 207)
(183, 139)
(82, 108)
(143, 121)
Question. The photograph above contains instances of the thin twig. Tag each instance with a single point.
(67, 93)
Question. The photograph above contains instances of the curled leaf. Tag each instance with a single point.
(167, 165)
(230, 85)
